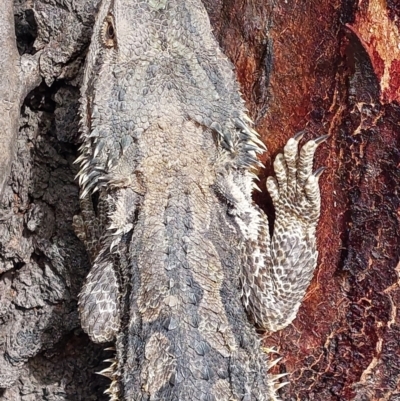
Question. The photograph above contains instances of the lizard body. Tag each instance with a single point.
(181, 258)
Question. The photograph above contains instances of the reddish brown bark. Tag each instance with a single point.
(335, 69)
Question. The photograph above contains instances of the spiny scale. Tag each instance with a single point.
(111, 373)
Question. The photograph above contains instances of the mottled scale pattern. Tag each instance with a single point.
(102, 322)
(184, 265)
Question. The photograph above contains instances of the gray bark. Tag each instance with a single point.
(44, 355)
(19, 75)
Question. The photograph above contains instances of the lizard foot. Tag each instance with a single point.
(295, 190)
(274, 285)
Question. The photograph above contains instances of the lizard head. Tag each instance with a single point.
(151, 60)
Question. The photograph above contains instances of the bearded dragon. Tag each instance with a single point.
(183, 263)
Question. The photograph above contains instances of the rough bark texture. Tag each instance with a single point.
(45, 355)
(330, 66)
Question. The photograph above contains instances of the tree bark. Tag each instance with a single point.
(330, 66)
(19, 76)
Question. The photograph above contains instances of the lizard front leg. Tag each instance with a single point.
(277, 271)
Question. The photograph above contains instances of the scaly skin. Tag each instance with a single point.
(180, 253)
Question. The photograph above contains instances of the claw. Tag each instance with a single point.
(321, 139)
(317, 173)
(299, 135)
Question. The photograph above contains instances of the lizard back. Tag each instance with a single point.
(182, 342)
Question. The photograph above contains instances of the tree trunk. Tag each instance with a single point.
(327, 66)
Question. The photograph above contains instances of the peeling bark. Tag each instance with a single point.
(327, 66)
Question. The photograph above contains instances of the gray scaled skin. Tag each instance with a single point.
(182, 258)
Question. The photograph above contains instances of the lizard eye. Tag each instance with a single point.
(108, 32)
